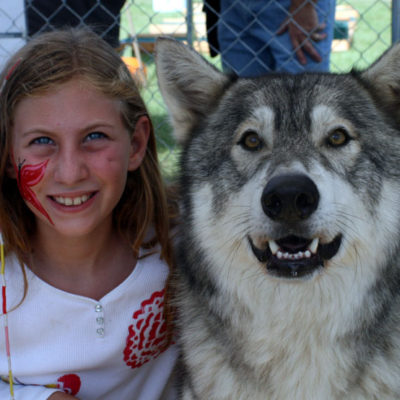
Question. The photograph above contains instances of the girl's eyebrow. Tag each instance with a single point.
(96, 125)
(34, 131)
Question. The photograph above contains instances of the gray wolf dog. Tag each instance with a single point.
(289, 255)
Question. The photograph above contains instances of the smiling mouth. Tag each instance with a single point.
(294, 256)
(72, 201)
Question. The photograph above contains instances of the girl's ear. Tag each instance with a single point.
(139, 142)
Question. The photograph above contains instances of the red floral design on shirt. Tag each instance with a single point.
(147, 337)
(70, 384)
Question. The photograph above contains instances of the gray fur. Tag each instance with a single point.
(256, 326)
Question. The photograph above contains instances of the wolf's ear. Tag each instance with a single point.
(187, 82)
(383, 77)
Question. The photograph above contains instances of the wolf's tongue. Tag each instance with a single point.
(293, 244)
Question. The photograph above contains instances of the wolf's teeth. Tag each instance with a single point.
(273, 247)
(314, 245)
(293, 256)
(277, 251)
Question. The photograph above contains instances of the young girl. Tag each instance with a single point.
(85, 223)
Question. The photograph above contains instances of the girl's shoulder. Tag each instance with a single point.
(150, 260)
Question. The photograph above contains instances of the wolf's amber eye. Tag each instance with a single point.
(339, 137)
(251, 141)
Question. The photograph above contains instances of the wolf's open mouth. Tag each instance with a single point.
(294, 256)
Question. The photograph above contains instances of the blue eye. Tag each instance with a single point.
(42, 140)
(95, 136)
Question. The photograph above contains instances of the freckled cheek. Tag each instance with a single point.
(111, 164)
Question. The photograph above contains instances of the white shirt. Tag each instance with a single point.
(112, 349)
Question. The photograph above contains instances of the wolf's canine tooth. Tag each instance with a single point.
(273, 247)
(314, 245)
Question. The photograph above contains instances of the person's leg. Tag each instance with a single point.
(243, 39)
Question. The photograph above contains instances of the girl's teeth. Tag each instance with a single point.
(79, 200)
(68, 201)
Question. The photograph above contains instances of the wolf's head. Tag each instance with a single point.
(295, 174)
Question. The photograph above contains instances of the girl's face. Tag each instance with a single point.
(71, 155)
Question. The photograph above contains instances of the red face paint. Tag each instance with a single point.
(28, 176)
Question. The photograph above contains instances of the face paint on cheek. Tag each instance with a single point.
(28, 176)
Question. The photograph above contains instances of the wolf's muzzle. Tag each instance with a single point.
(290, 198)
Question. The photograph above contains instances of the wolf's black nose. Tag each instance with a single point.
(290, 198)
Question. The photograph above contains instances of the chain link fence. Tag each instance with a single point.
(361, 31)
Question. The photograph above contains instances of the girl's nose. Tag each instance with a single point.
(70, 167)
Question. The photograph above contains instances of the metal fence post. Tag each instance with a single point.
(395, 20)
(189, 21)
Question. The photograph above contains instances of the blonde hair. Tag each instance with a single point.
(44, 63)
